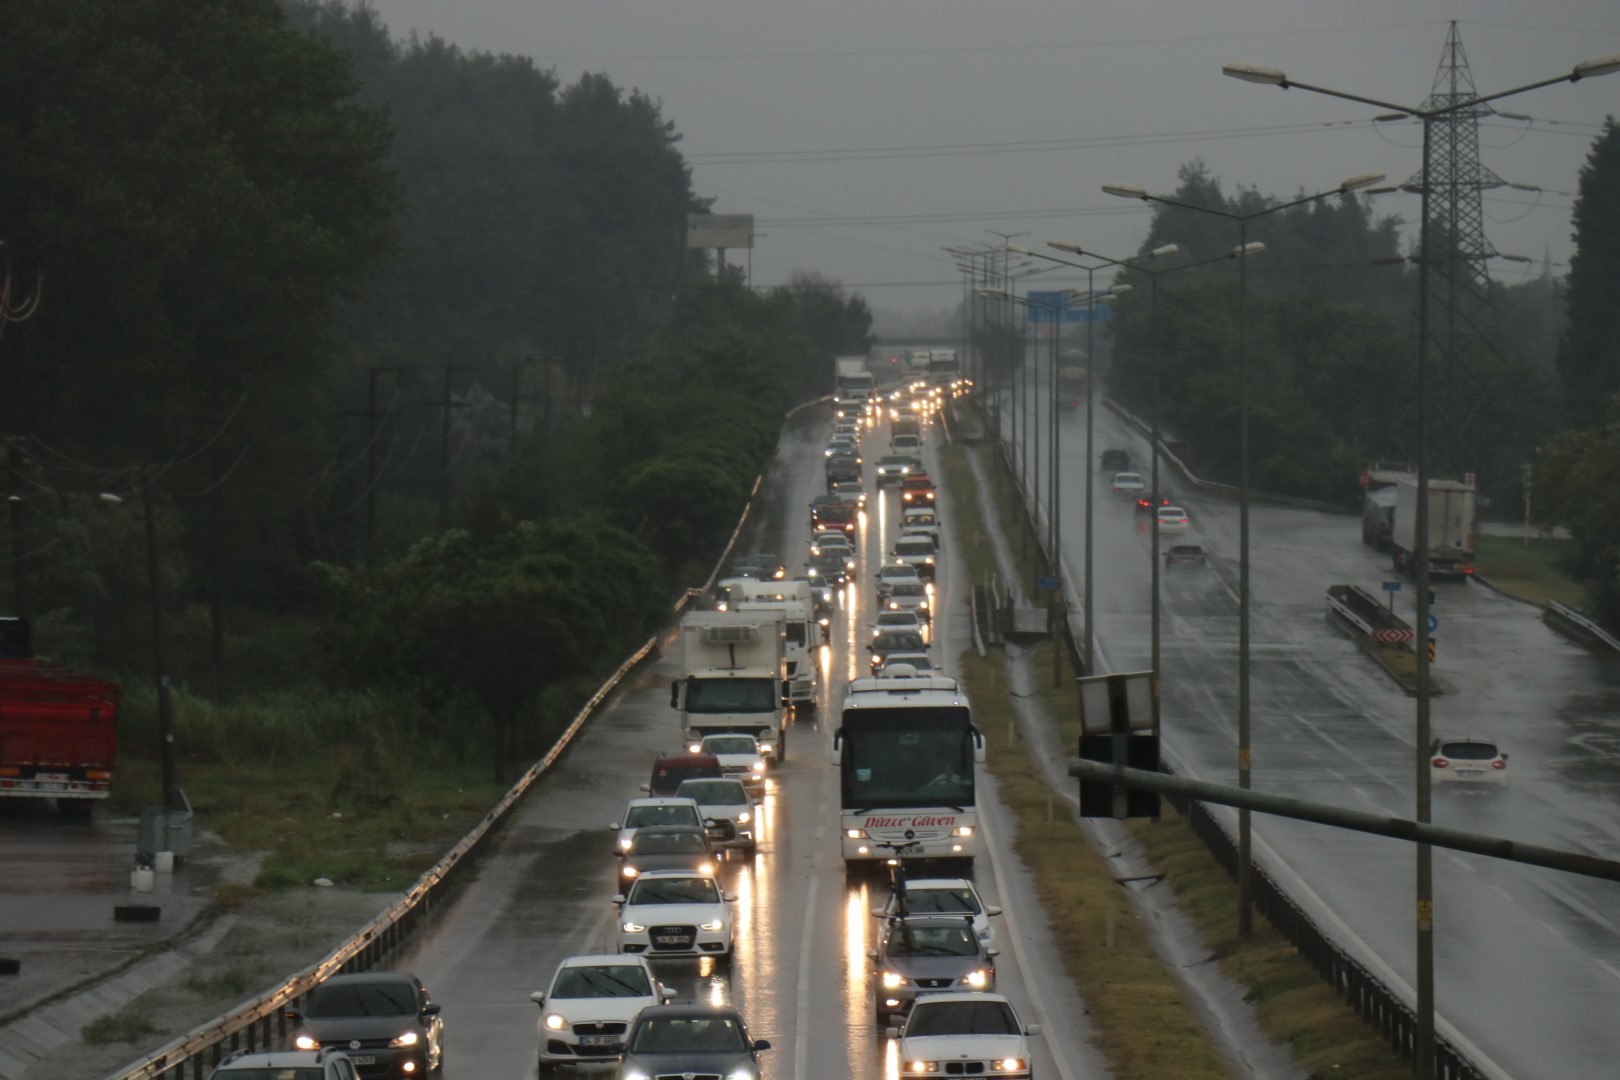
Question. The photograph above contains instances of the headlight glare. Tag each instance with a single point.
(893, 980)
(305, 1042)
(555, 1021)
(712, 925)
(633, 927)
(410, 1038)
(978, 978)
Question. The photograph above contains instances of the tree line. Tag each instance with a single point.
(397, 346)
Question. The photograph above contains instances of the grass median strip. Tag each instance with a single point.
(1146, 1024)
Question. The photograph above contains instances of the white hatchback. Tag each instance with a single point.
(1172, 519)
(1129, 482)
(943, 896)
(587, 1008)
(1468, 763)
(673, 913)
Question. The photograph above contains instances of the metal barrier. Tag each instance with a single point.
(1571, 623)
(259, 1024)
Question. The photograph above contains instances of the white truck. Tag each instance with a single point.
(1453, 527)
(736, 677)
(917, 359)
(944, 370)
(853, 385)
(794, 602)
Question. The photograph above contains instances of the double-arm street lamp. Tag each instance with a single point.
(1243, 251)
(1423, 1051)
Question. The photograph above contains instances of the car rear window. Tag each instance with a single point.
(1469, 751)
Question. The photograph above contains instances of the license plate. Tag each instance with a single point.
(1471, 772)
(365, 1059)
(52, 777)
(599, 1040)
(672, 939)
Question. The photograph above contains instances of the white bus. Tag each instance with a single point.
(907, 754)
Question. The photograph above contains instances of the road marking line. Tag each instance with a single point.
(801, 1011)
(1551, 928)
(1610, 968)
(1503, 893)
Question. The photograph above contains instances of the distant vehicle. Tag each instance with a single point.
(726, 799)
(1128, 483)
(943, 896)
(891, 573)
(1151, 500)
(286, 1065)
(1378, 518)
(1453, 528)
(670, 769)
(897, 620)
(654, 810)
(851, 492)
(1184, 555)
(893, 469)
(842, 467)
(1468, 764)
(910, 596)
(907, 446)
(831, 569)
(920, 520)
(58, 728)
(973, 1034)
(1114, 461)
(917, 489)
(739, 757)
(668, 847)
(1172, 519)
(906, 664)
(760, 566)
(589, 1005)
(841, 516)
(891, 641)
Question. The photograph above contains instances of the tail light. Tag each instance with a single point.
(1440, 763)
(1498, 764)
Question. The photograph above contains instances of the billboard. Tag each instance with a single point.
(1047, 307)
(719, 230)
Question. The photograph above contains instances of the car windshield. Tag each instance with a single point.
(1469, 751)
(1127, 478)
(1186, 549)
(363, 999)
(961, 1018)
(909, 588)
(937, 902)
(908, 940)
(642, 816)
(915, 520)
(607, 981)
(656, 1034)
(667, 842)
(913, 547)
(715, 792)
(891, 640)
(678, 890)
(730, 744)
(836, 512)
(666, 778)
(897, 618)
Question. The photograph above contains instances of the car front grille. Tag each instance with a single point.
(614, 1027)
(934, 984)
(684, 937)
(962, 1068)
(687, 1076)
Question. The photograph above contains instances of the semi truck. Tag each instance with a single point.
(853, 384)
(1378, 501)
(58, 728)
(794, 603)
(735, 679)
(944, 370)
(1453, 527)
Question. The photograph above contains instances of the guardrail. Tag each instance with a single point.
(259, 1024)
(1571, 623)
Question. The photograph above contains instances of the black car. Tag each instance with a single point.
(830, 568)
(761, 566)
(923, 954)
(691, 1040)
(889, 641)
(1152, 500)
(843, 467)
(384, 1021)
(1189, 554)
(668, 847)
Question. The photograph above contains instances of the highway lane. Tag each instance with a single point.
(1527, 960)
(801, 975)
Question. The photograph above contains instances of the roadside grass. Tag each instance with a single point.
(1292, 1005)
(1533, 568)
(128, 1025)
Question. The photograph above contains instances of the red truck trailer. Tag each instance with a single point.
(58, 733)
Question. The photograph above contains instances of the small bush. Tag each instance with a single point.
(125, 1025)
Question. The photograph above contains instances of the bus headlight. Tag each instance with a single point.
(963, 830)
(855, 834)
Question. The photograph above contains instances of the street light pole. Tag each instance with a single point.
(1423, 1059)
(1243, 250)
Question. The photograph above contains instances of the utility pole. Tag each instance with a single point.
(22, 603)
(160, 655)
(447, 403)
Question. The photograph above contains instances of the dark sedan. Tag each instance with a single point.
(690, 1040)
(668, 847)
(384, 1021)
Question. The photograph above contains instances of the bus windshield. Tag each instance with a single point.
(895, 758)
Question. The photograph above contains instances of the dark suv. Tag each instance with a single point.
(384, 1021)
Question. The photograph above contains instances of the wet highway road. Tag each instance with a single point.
(801, 975)
(1527, 960)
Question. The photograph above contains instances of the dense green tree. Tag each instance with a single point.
(1574, 485)
(1589, 356)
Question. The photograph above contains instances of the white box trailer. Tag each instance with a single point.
(794, 602)
(1453, 527)
(735, 679)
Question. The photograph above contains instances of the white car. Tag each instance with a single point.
(897, 620)
(725, 800)
(1468, 763)
(911, 596)
(920, 519)
(906, 664)
(587, 1009)
(966, 1035)
(851, 491)
(1172, 519)
(739, 758)
(1129, 483)
(892, 573)
(943, 896)
(639, 813)
(893, 469)
(672, 913)
(916, 552)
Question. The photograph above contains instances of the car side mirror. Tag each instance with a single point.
(891, 1032)
(992, 953)
(878, 913)
(991, 909)
(762, 1044)
(432, 1009)
(1504, 757)
(646, 787)
(294, 1015)
(1032, 1029)
(615, 826)
(666, 993)
(871, 954)
(619, 899)
(729, 897)
(538, 997)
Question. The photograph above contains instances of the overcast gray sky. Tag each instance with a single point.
(865, 134)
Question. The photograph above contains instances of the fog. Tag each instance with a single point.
(864, 136)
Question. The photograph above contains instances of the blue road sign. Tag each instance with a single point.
(1392, 586)
(1046, 584)
(1434, 622)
